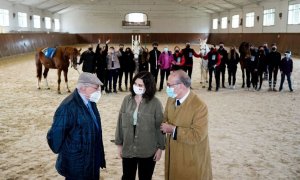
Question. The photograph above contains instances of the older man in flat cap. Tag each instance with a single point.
(76, 134)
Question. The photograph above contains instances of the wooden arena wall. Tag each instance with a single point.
(20, 43)
(284, 41)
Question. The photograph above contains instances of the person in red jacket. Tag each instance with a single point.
(179, 60)
(188, 54)
(214, 61)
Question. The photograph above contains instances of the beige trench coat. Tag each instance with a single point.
(188, 157)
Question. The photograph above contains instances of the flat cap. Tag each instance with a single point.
(89, 78)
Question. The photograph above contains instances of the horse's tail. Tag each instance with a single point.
(39, 67)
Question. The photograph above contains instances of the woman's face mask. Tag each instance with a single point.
(166, 49)
(138, 90)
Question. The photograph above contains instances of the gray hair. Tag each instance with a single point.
(182, 77)
(80, 85)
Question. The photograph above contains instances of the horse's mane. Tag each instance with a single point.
(244, 49)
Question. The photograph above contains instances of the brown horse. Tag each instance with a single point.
(245, 53)
(60, 61)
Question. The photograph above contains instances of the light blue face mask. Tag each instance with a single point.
(170, 92)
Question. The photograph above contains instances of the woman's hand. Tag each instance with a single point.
(157, 155)
(120, 147)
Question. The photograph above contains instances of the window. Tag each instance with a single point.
(36, 21)
(250, 19)
(47, 23)
(56, 24)
(215, 23)
(22, 19)
(224, 23)
(235, 21)
(269, 17)
(294, 14)
(4, 17)
(136, 17)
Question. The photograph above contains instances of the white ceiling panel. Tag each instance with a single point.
(180, 8)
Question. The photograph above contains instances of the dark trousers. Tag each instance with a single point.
(102, 77)
(232, 75)
(274, 72)
(288, 76)
(217, 77)
(189, 70)
(145, 166)
(163, 73)
(222, 74)
(154, 73)
(130, 75)
(254, 78)
(260, 78)
(251, 78)
(113, 76)
(121, 72)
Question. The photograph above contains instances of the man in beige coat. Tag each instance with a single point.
(186, 125)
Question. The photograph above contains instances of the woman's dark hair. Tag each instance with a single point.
(149, 82)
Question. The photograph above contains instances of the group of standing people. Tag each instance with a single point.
(110, 65)
(143, 131)
(260, 64)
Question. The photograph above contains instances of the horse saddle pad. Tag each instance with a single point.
(49, 52)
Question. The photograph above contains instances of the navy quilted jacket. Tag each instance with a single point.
(76, 139)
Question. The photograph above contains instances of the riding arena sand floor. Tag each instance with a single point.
(253, 134)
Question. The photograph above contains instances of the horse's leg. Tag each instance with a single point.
(39, 69)
(243, 77)
(66, 79)
(201, 69)
(58, 80)
(45, 74)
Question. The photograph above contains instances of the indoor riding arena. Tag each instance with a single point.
(253, 133)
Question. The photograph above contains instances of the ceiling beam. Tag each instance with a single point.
(233, 4)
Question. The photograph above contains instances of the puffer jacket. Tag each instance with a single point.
(76, 139)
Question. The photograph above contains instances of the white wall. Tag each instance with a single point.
(13, 21)
(281, 26)
(93, 23)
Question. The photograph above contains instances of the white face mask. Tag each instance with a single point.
(166, 49)
(95, 96)
(138, 90)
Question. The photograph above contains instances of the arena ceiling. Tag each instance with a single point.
(153, 8)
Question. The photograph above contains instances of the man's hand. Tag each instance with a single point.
(107, 42)
(99, 41)
(167, 128)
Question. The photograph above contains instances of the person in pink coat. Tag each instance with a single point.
(165, 63)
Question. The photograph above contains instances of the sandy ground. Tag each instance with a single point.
(253, 135)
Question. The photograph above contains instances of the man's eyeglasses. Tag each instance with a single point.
(170, 85)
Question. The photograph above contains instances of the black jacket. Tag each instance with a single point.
(273, 59)
(153, 59)
(89, 61)
(76, 139)
(224, 58)
(233, 60)
(286, 66)
(129, 63)
(101, 59)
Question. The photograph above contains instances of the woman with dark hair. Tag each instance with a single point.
(138, 137)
